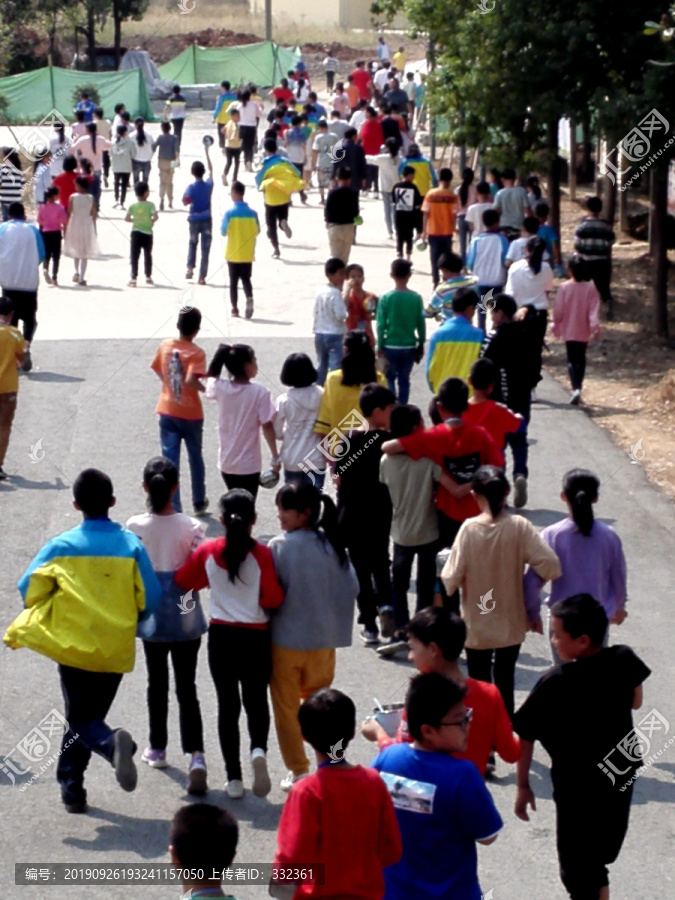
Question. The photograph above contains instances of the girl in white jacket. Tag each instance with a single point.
(388, 161)
(297, 410)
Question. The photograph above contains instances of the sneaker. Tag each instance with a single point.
(170, 205)
(392, 647)
(27, 363)
(3, 475)
(200, 508)
(286, 228)
(249, 308)
(235, 313)
(533, 396)
(575, 399)
(123, 760)
(202, 281)
(149, 281)
(387, 621)
(491, 766)
(235, 789)
(161, 206)
(276, 254)
(290, 779)
(76, 278)
(197, 775)
(369, 637)
(225, 181)
(54, 281)
(76, 808)
(83, 283)
(519, 491)
(156, 759)
(189, 274)
(132, 283)
(105, 182)
(48, 277)
(261, 777)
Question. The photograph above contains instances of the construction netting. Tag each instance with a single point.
(262, 64)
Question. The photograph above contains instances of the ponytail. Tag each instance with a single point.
(234, 357)
(328, 524)
(121, 133)
(491, 483)
(580, 487)
(141, 136)
(91, 128)
(160, 477)
(535, 250)
(467, 179)
(237, 510)
(305, 498)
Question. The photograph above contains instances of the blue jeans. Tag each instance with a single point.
(388, 202)
(401, 360)
(316, 479)
(438, 244)
(518, 440)
(328, 354)
(172, 431)
(203, 228)
(463, 230)
(141, 170)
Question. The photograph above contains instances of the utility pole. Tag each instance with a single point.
(268, 20)
(431, 65)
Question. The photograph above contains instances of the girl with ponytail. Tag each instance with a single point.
(590, 553)
(529, 282)
(467, 196)
(244, 588)
(317, 615)
(487, 562)
(169, 538)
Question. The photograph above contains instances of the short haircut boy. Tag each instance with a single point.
(333, 265)
(189, 321)
(353, 267)
(198, 169)
(326, 718)
(430, 697)
(451, 262)
(582, 614)
(270, 145)
(509, 174)
(506, 304)
(238, 188)
(464, 298)
(165, 126)
(490, 217)
(453, 395)
(93, 493)
(483, 188)
(204, 837)
(445, 175)
(141, 188)
(408, 170)
(594, 204)
(483, 374)
(404, 419)
(531, 225)
(298, 371)
(401, 268)
(578, 267)
(6, 306)
(541, 210)
(375, 396)
(350, 133)
(437, 625)
(344, 173)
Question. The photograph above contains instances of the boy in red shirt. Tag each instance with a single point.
(436, 639)
(312, 826)
(65, 182)
(360, 303)
(361, 78)
(495, 418)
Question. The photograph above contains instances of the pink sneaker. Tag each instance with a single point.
(156, 759)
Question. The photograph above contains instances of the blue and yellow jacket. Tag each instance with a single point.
(241, 228)
(425, 174)
(83, 595)
(453, 348)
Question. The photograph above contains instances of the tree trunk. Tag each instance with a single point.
(572, 174)
(658, 213)
(117, 23)
(610, 193)
(553, 173)
(91, 39)
(587, 162)
(651, 224)
(623, 205)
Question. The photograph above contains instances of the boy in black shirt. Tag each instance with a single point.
(407, 211)
(603, 685)
(364, 512)
(340, 213)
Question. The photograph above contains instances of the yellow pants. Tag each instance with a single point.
(165, 179)
(296, 675)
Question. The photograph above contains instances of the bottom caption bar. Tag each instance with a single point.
(129, 873)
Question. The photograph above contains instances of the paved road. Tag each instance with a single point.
(90, 401)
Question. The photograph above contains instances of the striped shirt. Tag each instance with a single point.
(177, 105)
(11, 183)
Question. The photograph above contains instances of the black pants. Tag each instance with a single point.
(121, 186)
(576, 362)
(249, 483)
(369, 555)
(372, 177)
(105, 158)
(274, 215)
(448, 529)
(25, 310)
(247, 134)
(517, 441)
(184, 661)
(426, 578)
(330, 80)
(88, 697)
(539, 325)
(141, 241)
(178, 130)
(600, 271)
(405, 224)
(240, 272)
(232, 155)
(240, 656)
(479, 663)
(52, 241)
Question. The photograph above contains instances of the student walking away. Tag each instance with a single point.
(84, 594)
(202, 841)
(550, 236)
(401, 330)
(58, 148)
(122, 155)
(278, 180)
(198, 197)
(592, 803)
(142, 162)
(104, 128)
(388, 161)
(42, 178)
(297, 410)
(316, 617)
(79, 127)
(488, 560)
(243, 590)
(407, 202)
(143, 216)
(296, 148)
(396, 96)
(590, 553)
(169, 537)
(249, 113)
(244, 409)
(576, 320)
(454, 347)
(86, 105)
(232, 146)
(364, 512)
(12, 355)
(52, 219)
(511, 202)
(372, 138)
(330, 314)
(330, 67)
(222, 111)
(425, 176)
(496, 418)
(342, 106)
(450, 266)
(166, 147)
(90, 146)
(593, 241)
(474, 214)
(313, 817)
(529, 283)
(350, 155)
(438, 221)
(361, 80)
(81, 241)
(467, 195)
(361, 304)
(322, 159)
(391, 126)
(518, 247)
(410, 89)
(486, 260)
(12, 181)
(240, 228)
(442, 804)
(21, 252)
(175, 111)
(340, 213)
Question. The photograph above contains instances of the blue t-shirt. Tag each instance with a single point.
(443, 808)
(550, 236)
(200, 194)
(88, 107)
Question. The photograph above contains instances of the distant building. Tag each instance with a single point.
(326, 13)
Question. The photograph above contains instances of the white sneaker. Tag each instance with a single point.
(519, 491)
(576, 398)
(286, 228)
(235, 789)
(261, 777)
(290, 779)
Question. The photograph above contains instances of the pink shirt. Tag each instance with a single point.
(576, 311)
(51, 216)
(84, 145)
(242, 409)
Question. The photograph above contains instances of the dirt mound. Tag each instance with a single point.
(162, 48)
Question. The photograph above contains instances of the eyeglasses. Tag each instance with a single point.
(465, 720)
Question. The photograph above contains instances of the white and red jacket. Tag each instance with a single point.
(243, 602)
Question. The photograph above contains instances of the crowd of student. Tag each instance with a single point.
(435, 497)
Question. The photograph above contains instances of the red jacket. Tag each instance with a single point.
(372, 137)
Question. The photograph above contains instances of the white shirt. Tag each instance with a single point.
(249, 114)
(474, 215)
(242, 409)
(381, 79)
(19, 257)
(330, 312)
(59, 153)
(528, 288)
(169, 540)
(294, 426)
(517, 249)
(358, 119)
(144, 153)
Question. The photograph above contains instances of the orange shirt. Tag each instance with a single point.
(441, 204)
(175, 361)
(12, 347)
(352, 92)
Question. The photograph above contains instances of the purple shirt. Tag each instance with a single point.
(592, 565)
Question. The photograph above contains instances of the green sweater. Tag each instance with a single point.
(400, 320)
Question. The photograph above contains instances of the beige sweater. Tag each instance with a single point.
(488, 563)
